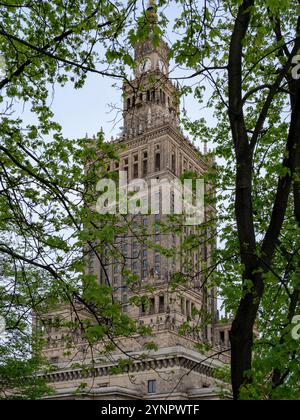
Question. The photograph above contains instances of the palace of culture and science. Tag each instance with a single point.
(153, 147)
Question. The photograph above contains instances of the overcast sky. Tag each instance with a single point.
(87, 110)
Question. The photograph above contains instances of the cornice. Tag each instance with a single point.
(184, 359)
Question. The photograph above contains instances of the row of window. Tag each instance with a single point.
(150, 96)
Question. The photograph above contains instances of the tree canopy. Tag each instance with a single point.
(245, 54)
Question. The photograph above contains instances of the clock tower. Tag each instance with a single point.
(151, 98)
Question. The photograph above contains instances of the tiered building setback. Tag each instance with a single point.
(155, 149)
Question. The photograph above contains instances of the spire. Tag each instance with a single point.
(151, 12)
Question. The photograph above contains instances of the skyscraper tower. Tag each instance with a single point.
(153, 149)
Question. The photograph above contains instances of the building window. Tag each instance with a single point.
(143, 309)
(136, 170)
(157, 162)
(188, 308)
(148, 95)
(128, 103)
(182, 305)
(157, 203)
(161, 306)
(145, 167)
(145, 163)
(135, 253)
(152, 386)
(173, 162)
(152, 306)
(172, 203)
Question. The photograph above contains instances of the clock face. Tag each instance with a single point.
(145, 65)
(162, 67)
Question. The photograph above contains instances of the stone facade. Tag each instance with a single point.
(155, 149)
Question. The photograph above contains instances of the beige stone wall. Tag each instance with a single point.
(151, 128)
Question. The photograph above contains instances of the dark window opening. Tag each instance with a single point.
(182, 305)
(152, 306)
(173, 162)
(161, 307)
(145, 167)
